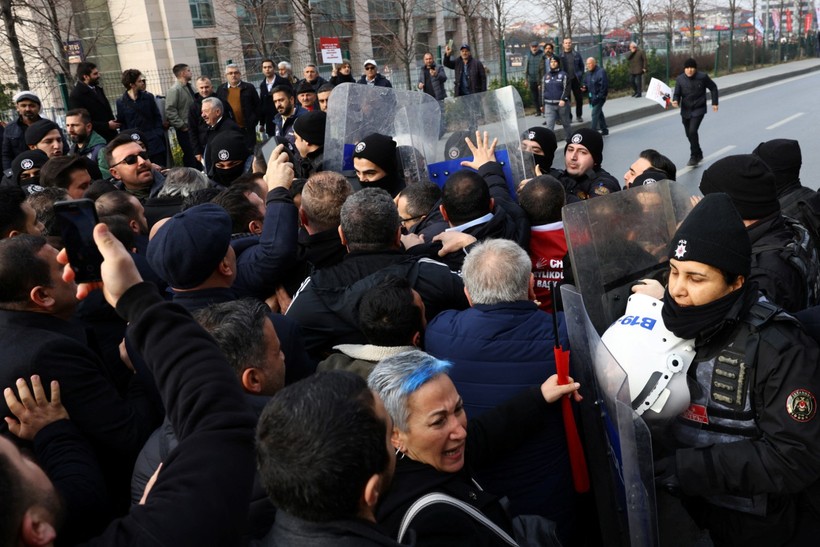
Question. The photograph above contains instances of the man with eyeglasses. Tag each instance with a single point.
(371, 77)
(244, 102)
(131, 168)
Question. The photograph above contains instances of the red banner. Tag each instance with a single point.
(807, 23)
(788, 20)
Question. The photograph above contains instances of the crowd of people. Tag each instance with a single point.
(281, 354)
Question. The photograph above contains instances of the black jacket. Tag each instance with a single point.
(198, 129)
(593, 183)
(290, 531)
(201, 495)
(117, 427)
(95, 101)
(690, 93)
(780, 281)
(476, 76)
(326, 304)
(380, 81)
(249, 100)
(14, 141)
(489, 438)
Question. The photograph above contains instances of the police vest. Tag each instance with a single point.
(722, 398)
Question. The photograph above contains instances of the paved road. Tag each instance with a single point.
(786, 107)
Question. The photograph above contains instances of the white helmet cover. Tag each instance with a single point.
(654, 359)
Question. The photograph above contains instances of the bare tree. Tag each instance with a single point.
(10, 28)
(599, 13)
(303, 12)
(392, 30)
(692, 7)
(257, 26)
(562, 11)
(733, 11)
(638, 10)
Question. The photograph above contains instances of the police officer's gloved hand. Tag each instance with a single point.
(666, 475)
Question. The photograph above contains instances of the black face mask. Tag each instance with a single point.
(687, 322)
(225, 177)
(544, 162)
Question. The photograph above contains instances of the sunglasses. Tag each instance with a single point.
(369, 67)
(131, 159)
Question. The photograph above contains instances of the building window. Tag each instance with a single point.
(206, 49)
(202, 13)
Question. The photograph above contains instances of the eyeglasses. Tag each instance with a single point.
(131, 159)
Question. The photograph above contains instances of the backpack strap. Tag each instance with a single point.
(437, 497)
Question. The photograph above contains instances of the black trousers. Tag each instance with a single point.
(637, 83)
(536, 98)
(690, 127)
(579, 97)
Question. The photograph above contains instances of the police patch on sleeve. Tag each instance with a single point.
(801, 405)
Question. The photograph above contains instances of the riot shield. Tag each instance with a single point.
(499, 112)
(355, 111)
(615, 240)
(617, 441)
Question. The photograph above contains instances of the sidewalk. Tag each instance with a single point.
(627, 109)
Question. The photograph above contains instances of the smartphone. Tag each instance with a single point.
(76, 220)
(450, 44)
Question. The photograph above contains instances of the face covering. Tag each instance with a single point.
(689, 321)
(225, 177)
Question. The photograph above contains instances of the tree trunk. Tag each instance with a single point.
(14, 44)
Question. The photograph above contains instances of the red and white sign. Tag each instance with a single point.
(331, 50)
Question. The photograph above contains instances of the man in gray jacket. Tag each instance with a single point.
(178, 101)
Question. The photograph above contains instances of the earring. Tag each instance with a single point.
(398, 451)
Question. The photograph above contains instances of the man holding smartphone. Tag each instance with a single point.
(432, 78)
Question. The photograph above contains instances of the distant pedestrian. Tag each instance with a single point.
(573, 65)
(432, 78)
(372, 77)
(556, 97)
(637, 68)
(470, 75)
(534, 69)
(690, 95)
(596, 85)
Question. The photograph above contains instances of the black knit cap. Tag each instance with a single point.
(188, 248)
(650, 176)
(713, 233)
(305, 87)
(311, 127)
(784, 158)
(690, 63)
(544, 137)
(589, 139)
(747, 180)
(25, 161)
(228, 146)
(38, 130)
(378, 148)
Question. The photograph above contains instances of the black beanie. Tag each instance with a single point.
(378, 148)
(713, 233)
(188, 248)
(747, 180)
(545, 139)
(690, 63)
(25, 161)
(589, 139)
(311, 127)
(38, 130)
(650, 176)
(228, 146)
(784, 158)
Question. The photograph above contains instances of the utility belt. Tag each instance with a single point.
(556, 103)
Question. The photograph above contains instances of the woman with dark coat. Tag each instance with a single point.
(137, 109)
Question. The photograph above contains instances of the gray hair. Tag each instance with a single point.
(214, 102)
(238, 328)
(369, 220)
(396, 378)
(230, 66)
(285, 64)
(182, 181)
(496, 271)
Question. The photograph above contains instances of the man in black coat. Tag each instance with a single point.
(470, 75)
(14, 137)
(198, 126)
(690, 95)
(37, 336)
(89, 95)
(244, 102)
(201, 495)
(327, 499)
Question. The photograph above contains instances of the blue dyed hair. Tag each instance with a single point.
(396, 378)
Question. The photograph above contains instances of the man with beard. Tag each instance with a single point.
(584, 177)
(376, 165)
(286, 113)
(132, 169)
(89, 95)
(14, 136)
(85, 141)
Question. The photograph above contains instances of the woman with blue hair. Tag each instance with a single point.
(438, 449)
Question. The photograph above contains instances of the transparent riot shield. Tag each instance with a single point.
(617, 239)
(618, 443)
(355, 111)
(499, 112)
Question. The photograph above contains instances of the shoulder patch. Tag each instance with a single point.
(801, 405)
